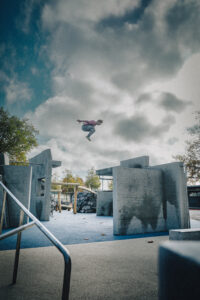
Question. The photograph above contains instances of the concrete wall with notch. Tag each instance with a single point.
(148, 198)
(104, 203)
(41, 185)
(137, 162)
(33, 193)
(17, 179)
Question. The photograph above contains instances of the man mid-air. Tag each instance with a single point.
(89, 126)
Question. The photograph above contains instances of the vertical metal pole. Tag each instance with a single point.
(29, 194)
(3, 211)
(18, 248)
(75, 199)
(59, 201)
(66, 281)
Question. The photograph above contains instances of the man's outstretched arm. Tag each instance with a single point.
(92, 122)
(82, 121)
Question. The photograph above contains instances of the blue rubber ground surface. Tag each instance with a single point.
(71, 229)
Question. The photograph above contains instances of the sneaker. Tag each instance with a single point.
(87, 137)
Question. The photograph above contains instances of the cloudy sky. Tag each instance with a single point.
(133, 63)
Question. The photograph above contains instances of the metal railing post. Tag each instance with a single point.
(21, 218)
(66, 280)
(29, 193)
(75, 199)
(3, 211)
(59, 201)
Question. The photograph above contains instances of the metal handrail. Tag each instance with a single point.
(49, 235)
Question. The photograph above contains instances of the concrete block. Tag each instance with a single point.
(104, 203)
(176, 208)
(185, 234)
(137, 201)
(137, 162)
(166, 191)
(41, 185)
(42, 165)
(56, 163)
(4, 159)
(179, 270)
(17, 180)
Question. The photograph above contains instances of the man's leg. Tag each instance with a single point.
(92, 130)
(85, 127)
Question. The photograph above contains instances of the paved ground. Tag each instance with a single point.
(70, 229)
(107, 270)
(115, 270)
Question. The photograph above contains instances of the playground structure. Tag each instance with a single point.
(77, 187)
(144, 198)
(32, 185)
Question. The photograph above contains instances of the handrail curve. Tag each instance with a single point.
(50, 236)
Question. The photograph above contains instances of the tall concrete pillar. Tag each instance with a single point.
(175, 193)
(17, 179)
(42, 165)
(41, 185)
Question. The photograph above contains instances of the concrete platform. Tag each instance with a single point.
(192, 234)
(115, 270)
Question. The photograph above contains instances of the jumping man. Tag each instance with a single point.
(89, 126)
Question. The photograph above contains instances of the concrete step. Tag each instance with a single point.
(191, 234)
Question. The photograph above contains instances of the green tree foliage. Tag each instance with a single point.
(191, 158)
(17, 137)
(70, 178)
(79, 180)
(92, 180)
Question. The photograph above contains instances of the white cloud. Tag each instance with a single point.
(77, 12)
(26, 12)
(128, 60)
(34, 71)
(16, 91)
(102, 69)
(139, 129)
(186, 83)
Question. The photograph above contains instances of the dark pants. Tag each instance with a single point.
(89, 128)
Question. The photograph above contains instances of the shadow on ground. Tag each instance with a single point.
(78, 229)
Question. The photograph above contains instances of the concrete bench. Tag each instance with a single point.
(191, 234)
